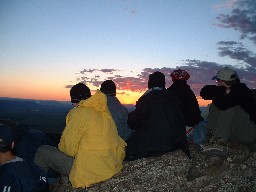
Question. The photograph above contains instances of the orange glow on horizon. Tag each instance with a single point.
(203, 103)
(129, 97)
(62, 94)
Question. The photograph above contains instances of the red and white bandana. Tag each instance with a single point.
(179, 74)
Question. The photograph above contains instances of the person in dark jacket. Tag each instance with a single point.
(180, 87)
(27, 139)
(232, 115)
(157, 121)
(17, 174)
(118, 111)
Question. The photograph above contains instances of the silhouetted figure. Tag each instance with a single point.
(232, 115)
(158, 122)
(182, 90)
(118, 111)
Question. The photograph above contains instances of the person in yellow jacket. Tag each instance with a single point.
(90, 149)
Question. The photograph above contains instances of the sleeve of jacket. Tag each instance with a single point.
(72, 134)
(210, 92)
(8, 182)
(246, 100)
(135, 117)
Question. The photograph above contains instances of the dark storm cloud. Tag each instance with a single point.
(242, 18)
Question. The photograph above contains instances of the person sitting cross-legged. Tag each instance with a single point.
(90, 149)
(232, 115)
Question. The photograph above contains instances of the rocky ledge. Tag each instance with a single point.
(175, 172)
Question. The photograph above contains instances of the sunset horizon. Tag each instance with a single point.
(49, 46)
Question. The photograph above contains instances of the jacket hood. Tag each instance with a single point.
(98, 101)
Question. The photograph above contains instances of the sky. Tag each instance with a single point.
(47, 46)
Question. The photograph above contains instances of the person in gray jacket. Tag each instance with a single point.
(118, 111)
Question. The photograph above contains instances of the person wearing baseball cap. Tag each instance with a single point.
(232, 115)
(226, 74)
(17, 174)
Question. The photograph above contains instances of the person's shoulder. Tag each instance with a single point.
(12, 169)
(113, 99)
(242, 86)
(76, 110)
(24, 175)
(18, 165)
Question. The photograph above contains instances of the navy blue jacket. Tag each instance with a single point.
(22, 176)
(191, 110)
(158, 124)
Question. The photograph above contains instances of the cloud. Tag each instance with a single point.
(201, 73)
(110, 71)
(242, 18)
(225, 5)
(237, 51)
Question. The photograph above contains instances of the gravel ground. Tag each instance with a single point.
(173, 171)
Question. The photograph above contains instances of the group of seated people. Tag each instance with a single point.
(100, 133)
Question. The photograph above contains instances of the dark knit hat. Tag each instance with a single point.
(79, 92)
(108, 87)
(156, 79)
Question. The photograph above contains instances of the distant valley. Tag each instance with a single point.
(49, 116)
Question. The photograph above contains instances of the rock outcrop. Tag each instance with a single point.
(175, 172)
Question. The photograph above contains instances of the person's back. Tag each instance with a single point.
(182, 90)
(158, 123)
(17, 174)
(90, 149)
(95, 143)
(118, 111)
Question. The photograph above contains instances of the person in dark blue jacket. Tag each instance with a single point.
(158, 122)
(183, 91)
(16, 174)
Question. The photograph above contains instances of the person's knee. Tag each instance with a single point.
(42, 151)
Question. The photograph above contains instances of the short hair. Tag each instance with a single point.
(108, 87)
(156, 79)
(79, 92)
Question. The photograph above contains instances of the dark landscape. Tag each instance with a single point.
(170, 172)
(49, 116)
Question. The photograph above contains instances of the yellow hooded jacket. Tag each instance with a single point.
(91, 137)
